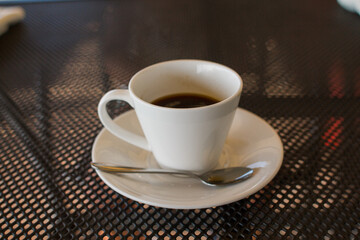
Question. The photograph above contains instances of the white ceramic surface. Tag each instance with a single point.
(350, 5)
(10, 16)
(188, 139)
(251, 142)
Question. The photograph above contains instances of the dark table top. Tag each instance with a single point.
(300, 62)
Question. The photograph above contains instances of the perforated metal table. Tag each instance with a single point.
(300, 62)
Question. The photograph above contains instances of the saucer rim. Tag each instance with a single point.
(177, 205)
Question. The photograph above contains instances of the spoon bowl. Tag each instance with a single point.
(215, 177)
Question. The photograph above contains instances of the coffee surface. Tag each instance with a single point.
(185, 100)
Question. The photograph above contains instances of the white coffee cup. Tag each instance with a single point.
(189, 139)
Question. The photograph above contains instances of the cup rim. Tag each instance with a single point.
(224, 101)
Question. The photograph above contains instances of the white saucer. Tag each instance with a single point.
(251, 142)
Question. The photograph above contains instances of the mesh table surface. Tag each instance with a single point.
(300, 62)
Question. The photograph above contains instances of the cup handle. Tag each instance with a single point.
(115, 129)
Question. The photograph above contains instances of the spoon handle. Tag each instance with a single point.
(123, 169)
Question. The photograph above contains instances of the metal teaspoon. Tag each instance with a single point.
(214, 177)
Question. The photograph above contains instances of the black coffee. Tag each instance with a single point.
(184, 100)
